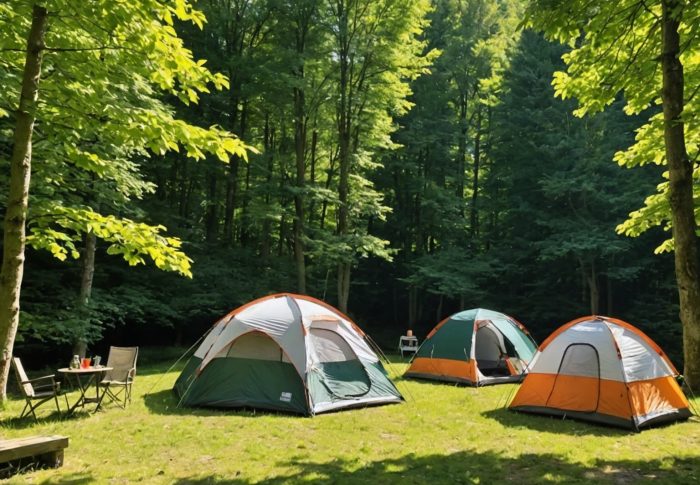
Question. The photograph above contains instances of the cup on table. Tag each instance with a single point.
(96, 361)
(85, 363)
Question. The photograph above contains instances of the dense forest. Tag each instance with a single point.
(399, 159)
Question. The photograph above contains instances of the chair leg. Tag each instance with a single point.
(26, 405)
(32, 408)
(122, 396)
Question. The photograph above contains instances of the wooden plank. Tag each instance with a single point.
(32, 446)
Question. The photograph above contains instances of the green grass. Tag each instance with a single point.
(443, 434)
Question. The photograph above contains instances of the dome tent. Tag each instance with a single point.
(289, 353)
(476, 347)
(604, 370)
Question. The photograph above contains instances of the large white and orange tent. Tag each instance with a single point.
(604, 370)
(289, 353)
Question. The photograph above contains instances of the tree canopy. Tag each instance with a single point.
(401, 159)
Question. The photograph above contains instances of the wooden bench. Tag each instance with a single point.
(20, 453)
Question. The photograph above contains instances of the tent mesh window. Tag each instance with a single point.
(256, 345)
(330, 346)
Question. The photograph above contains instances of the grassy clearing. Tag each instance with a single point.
(442, 435)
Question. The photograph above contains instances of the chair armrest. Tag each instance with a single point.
(37, 379)
(54, 386)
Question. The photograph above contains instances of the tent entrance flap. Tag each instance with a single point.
(490, 356)
(339, 368)
(577, 384)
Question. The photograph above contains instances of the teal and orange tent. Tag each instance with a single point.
(475, 347)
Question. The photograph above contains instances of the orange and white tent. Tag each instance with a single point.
(604, 370)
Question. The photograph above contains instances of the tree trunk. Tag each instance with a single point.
(438, 310)
(329, 180)
(300, 159)
(80, 343)
(461, 148)
(268, 143)
(231, 186)
(17, 199)
(593, 290)
(212, 214)
(182, 189)
(245, 235)
(680, 170)
(474, 214)
(343, 286)
(232, 179)
(344, 155)
(412, 307)
(312, 174)
(282, 236)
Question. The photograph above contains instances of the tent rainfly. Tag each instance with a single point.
(285, 352)
(476, 347)
(603, 370)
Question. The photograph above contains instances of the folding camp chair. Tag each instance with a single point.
(36, 391)
(117, 382)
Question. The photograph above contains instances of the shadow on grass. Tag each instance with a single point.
(552, 424)
(432, 382)
(471, 467)
(77, 478)
(15, 422)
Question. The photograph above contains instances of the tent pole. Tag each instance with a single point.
(179, 359)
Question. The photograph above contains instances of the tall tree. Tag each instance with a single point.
(377, 51)
(104, 64)
(436, 178)
(16, 212)
(556, 196)
(618, 49)
(303, 20)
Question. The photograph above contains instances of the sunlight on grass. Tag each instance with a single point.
(443, 434)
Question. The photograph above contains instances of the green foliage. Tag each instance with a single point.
(453, 274)
(615, 50)
(58, 229)
(434, 87)
(557, 196)
(105, 66)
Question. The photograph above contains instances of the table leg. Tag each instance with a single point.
(82, 387)
(81, 398)
(97, 390)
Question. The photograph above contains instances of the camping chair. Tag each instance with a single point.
(36, 391)
(117, 382)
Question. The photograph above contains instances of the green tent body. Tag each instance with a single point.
(287, 353)
(476, 347)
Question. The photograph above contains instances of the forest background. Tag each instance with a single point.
(409, 160)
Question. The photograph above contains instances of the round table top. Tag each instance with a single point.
(84, 370)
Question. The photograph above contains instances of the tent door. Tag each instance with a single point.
(341, 371)
(489, 354)
(577, 384)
